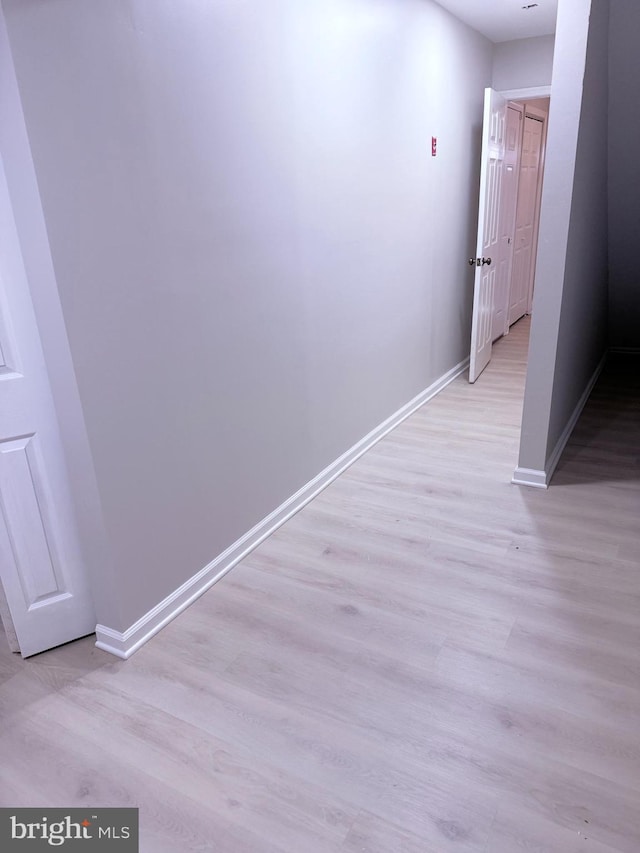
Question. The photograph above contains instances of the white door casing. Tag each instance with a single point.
(488, 243)
(507, 221)
(41, 566)
(523, 260)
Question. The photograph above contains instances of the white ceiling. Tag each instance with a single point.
(504, 20)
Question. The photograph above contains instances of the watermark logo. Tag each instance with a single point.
(69, 829)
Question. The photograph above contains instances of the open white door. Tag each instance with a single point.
(41, 569)
(487, 258)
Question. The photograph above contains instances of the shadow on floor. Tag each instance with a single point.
(605, 445)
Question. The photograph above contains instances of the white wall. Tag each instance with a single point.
(523, 64)
(569, 326)
(624, 174)
(258, 260)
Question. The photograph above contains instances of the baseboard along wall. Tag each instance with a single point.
(540, 479)
(124, 643)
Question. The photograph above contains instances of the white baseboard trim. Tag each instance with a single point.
(541, 479)
(530, 477)
(124, 644)
(553, 460)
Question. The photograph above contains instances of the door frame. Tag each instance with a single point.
(531, 94)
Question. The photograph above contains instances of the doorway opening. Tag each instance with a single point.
(521, 196)
(511, 178)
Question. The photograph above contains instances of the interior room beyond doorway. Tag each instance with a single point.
(521, 193)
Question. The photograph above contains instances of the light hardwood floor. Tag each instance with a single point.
(426, 659)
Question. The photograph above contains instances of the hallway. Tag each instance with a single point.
(425, 659)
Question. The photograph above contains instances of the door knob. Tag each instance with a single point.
(486, 261)
(472, 261)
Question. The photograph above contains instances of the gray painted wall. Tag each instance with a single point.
(258, 260)
(624, 174)
(583, 335)
(523, 64)
(569, 326)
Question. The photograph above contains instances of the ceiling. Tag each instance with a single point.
(505, 20)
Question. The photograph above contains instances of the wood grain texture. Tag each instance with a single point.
(425, 659)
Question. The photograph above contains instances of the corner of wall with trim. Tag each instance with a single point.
(556, 222)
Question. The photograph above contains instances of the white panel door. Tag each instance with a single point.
(507, 224)
(525, 218)
(41, 567)
(488, 243)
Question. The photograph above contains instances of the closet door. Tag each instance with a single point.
(523, 260)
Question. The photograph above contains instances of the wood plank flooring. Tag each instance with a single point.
(425, 659)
